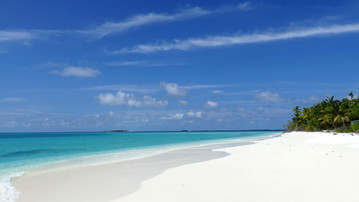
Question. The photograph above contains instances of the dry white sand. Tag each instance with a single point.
(301, 167)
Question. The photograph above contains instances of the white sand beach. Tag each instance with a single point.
(297, 166)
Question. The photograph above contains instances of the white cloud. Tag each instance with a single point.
(245, 6)
(268, 96)
(182, 103)
(114, 99)
(131, 88)
(149, 101)
(143, 19)
(211, 104)
(194, 114)
(124, 63)
(12, 99)
(77, 72)
(144, 119)
(121, 98)
(180, 116)
(152, 88)
(205, 86)
(190, 114)
(176, 116)
(219, 41)
(15, 35)
(217, 91)
(141, 64)
(120, 26)
(174, 89)
(25, 36)
(152, 18)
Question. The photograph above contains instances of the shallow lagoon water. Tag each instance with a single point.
(23, 152)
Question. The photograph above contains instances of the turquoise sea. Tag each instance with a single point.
(24, 152)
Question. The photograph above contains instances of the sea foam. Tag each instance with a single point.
(29, 152)
(8, 192)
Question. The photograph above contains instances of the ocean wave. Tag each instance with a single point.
(8, 192)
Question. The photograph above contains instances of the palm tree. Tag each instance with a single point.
(305, 113)
(351, 95)
(325, 121)
(328, 114)
(337, 114)
(330, 100)
(296, 117)
(355, 111)
(296, 111)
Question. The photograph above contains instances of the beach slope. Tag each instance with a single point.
(297, 166)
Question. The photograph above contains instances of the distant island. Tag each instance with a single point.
(116, 131)
(329, 114)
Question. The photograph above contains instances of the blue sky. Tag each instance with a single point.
(171, 65)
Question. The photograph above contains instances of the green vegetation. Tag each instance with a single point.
(330, 114)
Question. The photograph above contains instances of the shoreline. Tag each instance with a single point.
(113, 156)
(296, 166)
(109, 157)
(35, 182)
(118, 178)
